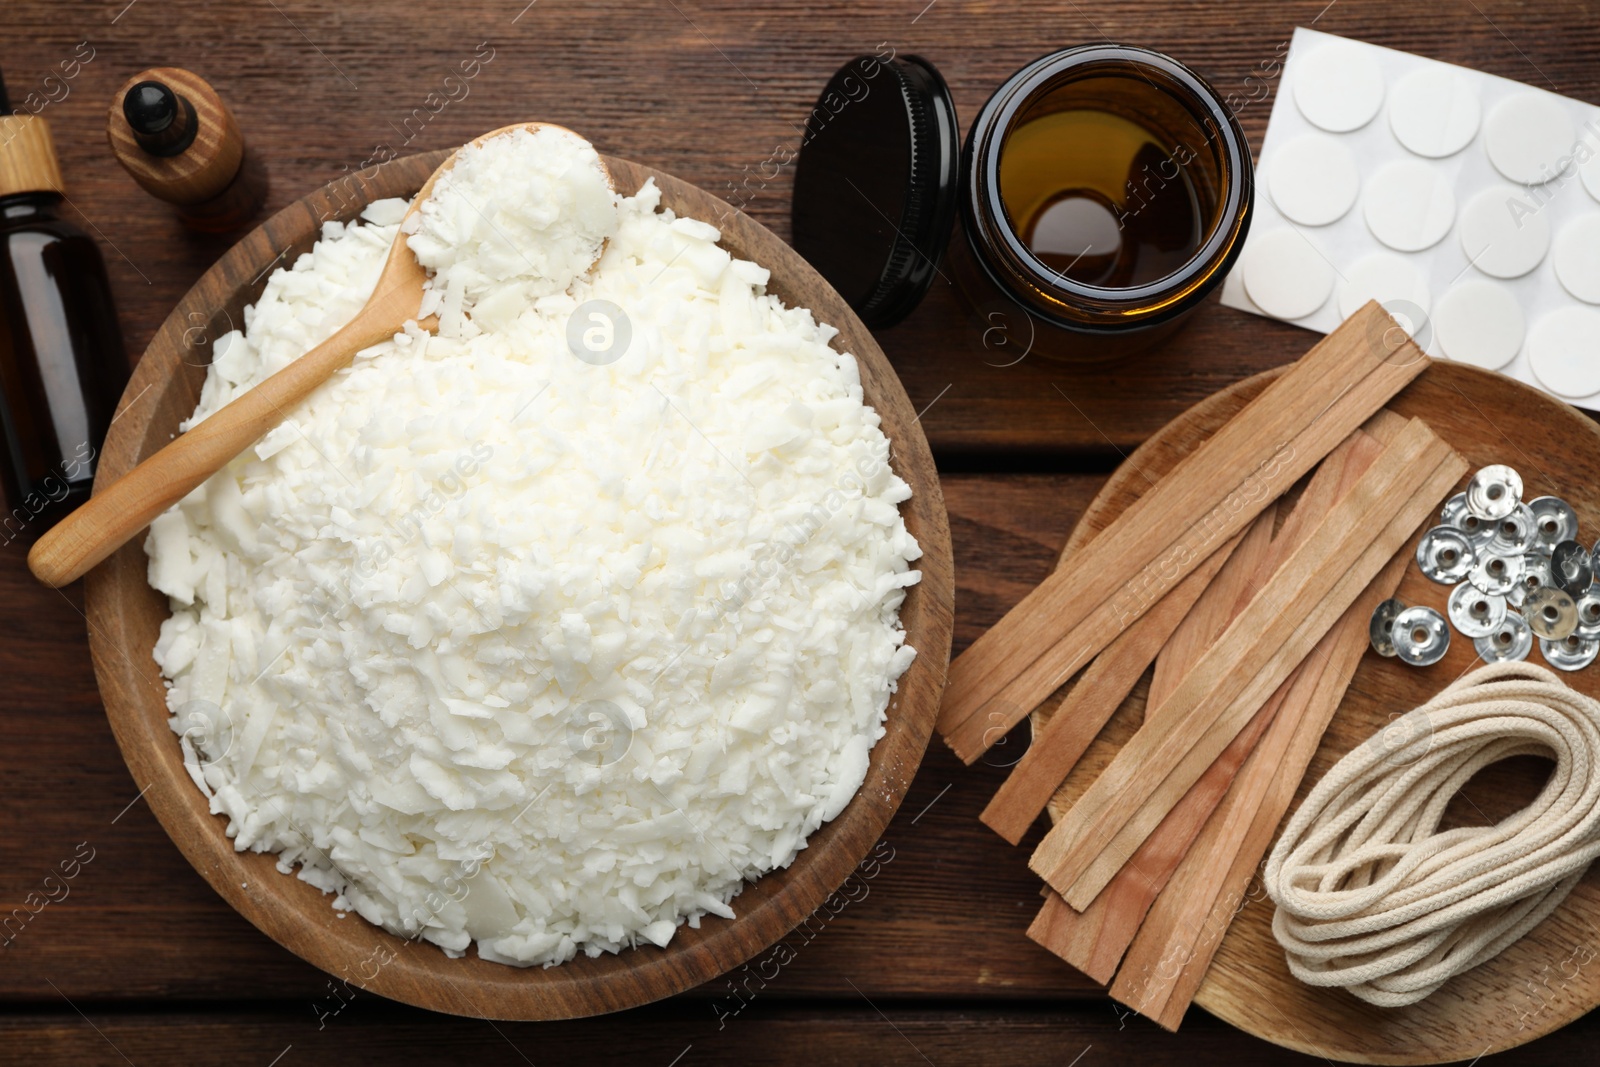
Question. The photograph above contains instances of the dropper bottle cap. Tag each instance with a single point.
(177, 138)
(162, 122)
(27, 155)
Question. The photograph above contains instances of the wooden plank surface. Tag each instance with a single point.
(848, 1035)
(714, 92)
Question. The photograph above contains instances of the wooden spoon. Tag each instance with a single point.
(117, 512)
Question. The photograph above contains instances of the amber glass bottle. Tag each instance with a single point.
(62, 364)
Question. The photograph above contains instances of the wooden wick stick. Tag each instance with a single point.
(1094, 940)
(1302, 601)
(1105, 684)
(1189, 762)
(1218, 489)
(1191, 915)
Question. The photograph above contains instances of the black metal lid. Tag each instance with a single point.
(876, 184)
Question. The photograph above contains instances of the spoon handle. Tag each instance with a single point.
(117, 512)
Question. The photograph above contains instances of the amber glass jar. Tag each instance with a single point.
(1105, 191)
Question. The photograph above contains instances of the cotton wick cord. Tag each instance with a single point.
(1372, 897)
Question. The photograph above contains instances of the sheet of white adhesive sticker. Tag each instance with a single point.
(1286, 275)
(1528, 135)
(1339, 87)
(1479, 323)
(1434, 111)
(1503, 232)
(1408, 205)
(1313, 179)
(1577, 258)
(1389, 279)
(1564, 350)
(1466, 183)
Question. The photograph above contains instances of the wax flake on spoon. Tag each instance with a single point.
(527, 208)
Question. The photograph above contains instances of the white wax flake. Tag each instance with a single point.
(387, 212)
(1285, 274)
(1313, 179)
(1504, 233)
(489, 639)
(1530, 137)
(277, 439)
(1480, 323)
(1434, 111)
(1338, 86)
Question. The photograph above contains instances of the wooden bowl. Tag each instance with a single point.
(1551, 976)
(124, 616)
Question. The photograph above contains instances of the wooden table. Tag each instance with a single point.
(140, 962)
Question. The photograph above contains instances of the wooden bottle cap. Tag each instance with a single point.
(27, 157)
(198, 173)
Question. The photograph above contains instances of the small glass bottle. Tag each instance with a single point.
(178, 139)
(62, 362)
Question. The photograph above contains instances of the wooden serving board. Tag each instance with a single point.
(1547, 979)
(124, 615)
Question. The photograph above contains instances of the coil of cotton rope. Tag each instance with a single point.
(1373, 897)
